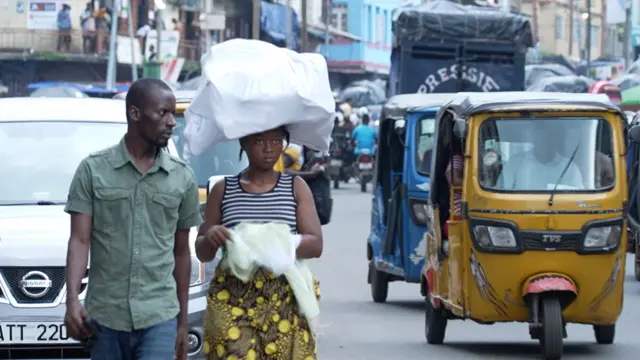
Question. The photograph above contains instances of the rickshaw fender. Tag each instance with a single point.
(426, 287)
(559, 284)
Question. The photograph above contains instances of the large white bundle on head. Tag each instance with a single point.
(252, 86)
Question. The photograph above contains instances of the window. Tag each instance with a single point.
(595, 35)
(425, 141)
(41, 157)
(339, 16)
(222, 159)
(387, 27)
(577, 29)
(370, 27)
(379, 26)
(540, 155)
(559, 27)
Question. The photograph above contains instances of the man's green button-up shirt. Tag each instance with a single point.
(135, 218)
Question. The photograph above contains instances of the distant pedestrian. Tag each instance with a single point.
(88, 23)
(132, 206)
(64, 28)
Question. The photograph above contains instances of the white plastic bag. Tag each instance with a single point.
(252, 86)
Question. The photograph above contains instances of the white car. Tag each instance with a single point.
(42, 141)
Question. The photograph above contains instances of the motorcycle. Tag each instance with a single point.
(335, 164)
(364, 166)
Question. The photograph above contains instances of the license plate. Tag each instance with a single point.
(336, 162)
(33, 333)
(365, 166)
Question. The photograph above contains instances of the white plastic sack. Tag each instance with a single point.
(252, 86)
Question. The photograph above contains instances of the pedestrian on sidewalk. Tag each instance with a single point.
(132, 205)
(258, 319)
(64, 28)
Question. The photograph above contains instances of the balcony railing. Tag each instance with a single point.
(53, 43)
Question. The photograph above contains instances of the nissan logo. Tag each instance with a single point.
(35, 284)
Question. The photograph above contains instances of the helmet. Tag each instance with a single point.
(363, 111)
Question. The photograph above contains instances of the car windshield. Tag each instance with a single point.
(424, 150)
(570, 154)
(222, 159)
(39, 159)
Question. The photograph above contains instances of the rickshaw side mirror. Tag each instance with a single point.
(400, 126)
(634, 134)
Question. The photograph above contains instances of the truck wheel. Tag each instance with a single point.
(435, 323)
(605, 334)
(379, 284)
(552, 328)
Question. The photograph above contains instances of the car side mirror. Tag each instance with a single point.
(634, 134)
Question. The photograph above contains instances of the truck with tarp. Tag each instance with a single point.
(445, 47)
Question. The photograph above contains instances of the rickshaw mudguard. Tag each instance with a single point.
(548, 282)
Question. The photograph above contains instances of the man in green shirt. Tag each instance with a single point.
(133, 205)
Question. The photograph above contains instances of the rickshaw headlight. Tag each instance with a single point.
(495, 236)
(603, 237)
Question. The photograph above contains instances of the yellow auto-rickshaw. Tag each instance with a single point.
(534, 226)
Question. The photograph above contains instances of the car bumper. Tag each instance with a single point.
(73, 350)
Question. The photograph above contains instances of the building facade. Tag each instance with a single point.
(369, 50)
(635, 28)
(561, 26)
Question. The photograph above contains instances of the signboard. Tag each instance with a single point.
(124, 47)
(214, 21)
(43, 14)
(170, 70)
(170, 42)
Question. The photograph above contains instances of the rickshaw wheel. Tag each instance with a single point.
(435, 323)
(605, 334)
(552, 328)
(379, 284)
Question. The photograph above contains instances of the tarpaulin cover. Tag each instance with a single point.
(565, 84)
(444, 19)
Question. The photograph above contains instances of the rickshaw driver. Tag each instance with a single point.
(541, 167)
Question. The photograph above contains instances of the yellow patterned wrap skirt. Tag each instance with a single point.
(258, 319)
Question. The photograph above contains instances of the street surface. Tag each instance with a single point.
(353, 327)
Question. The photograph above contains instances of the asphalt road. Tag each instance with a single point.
(353, 327)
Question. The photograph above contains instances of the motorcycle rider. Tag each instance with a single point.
(365, 136)
(291, 162)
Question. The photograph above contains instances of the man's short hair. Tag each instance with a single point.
(140, 90)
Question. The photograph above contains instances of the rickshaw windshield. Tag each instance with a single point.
(565, 154)
(426, 128)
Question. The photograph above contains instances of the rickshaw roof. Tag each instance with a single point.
(399, 105)
(468, 104)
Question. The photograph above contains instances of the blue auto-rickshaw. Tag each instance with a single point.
(396, 246)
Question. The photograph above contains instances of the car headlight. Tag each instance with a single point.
(494, 236)
(197, 272)
(603, 237)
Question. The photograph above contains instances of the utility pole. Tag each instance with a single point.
(111, 65)
(304, 46)
(327, 22)
(134, 65)
(588, 47)
(627, 34)
(159, 22)
(255, 24)
(289, 26)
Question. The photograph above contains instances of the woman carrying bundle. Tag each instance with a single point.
(258, 319)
